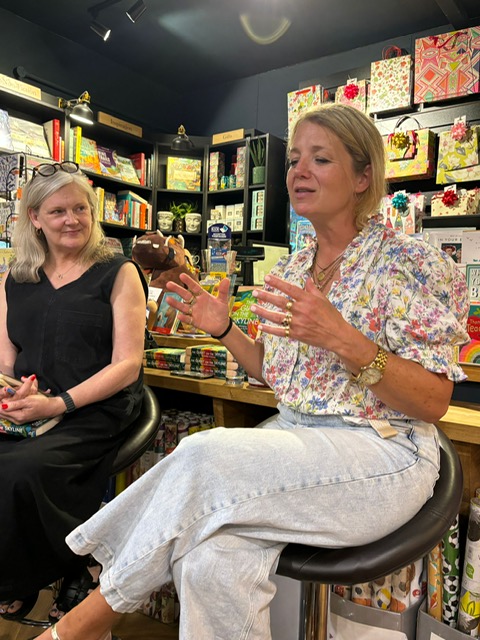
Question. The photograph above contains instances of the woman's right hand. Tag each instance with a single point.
(198, 307)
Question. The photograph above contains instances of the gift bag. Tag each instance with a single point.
(410, 153)
(403, 211)
(354, 93)
(391, 82)
(302, 100)
(455, 203)
(447, 66)
(459, 155)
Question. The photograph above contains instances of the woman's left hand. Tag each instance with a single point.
(32, 407)
(303, 314)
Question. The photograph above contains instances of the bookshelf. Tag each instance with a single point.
(42, 108)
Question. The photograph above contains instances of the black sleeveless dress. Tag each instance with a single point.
(50, 484)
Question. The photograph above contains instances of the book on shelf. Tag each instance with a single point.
(126, 170)
(135, 210)
(470, 353)
(52, 134)
(449, 240)
(75, 144)
(166, 321)
(6, 256)
(6, 143)
(29, 137)
(100, 193)
(471, 247)
(108, 161)
(184, 174)
(89, 155)
(140, 165)
(110, 211)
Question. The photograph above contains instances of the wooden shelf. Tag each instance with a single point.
(212, 387)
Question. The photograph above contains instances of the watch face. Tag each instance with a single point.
(370, 376)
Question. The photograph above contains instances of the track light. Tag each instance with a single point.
(181, 142)
(136, 11)
(78, 109)
(100, 29)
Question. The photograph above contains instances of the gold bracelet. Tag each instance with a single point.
(54, 633)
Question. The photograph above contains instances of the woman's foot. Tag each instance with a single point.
(18, 609)
(73, 592)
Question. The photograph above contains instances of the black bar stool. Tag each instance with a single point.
(141, 435)
(318, 568)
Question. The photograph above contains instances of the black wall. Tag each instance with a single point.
(258, 102)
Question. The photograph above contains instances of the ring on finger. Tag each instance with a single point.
(289, 305)
(287, 319)
(287, 331)
(192, 300)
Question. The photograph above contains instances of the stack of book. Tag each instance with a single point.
(167, 358)
(212, 359)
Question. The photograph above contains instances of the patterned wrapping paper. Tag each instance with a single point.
(407, 220)
(451, 574)
(360, 102)
(390, 84)
(302, 100)
(469, 609)
(468, 203)
(434, 583)
(447, 65)
(421, 166)
(458, 161)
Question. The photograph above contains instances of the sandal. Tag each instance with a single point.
(27, 605)
(72, 592)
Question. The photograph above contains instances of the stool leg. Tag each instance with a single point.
(316, 610)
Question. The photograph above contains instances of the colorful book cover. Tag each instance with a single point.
(29, 137)
(470, 353)
(6, 143)
(89, 155)
(242, 314)
(166, 321)
(140, 164)
(108, 161)
(184, 174)
(127, 170)
(6, 256)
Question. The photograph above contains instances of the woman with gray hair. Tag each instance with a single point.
(72, 321)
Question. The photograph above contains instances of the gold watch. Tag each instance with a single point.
(373, 372)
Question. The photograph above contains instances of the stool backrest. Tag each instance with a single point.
(405, 545)
(141, 434)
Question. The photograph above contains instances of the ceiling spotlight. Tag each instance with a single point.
(181, 142)
(137, 11)
(78, 109)
(100, 29)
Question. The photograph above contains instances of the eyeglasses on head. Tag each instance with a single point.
(47, 170)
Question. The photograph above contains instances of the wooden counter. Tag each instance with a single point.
(246, 406)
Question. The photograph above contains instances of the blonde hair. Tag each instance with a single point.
(363, 143)
(31, 247)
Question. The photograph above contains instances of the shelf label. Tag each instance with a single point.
(20, 87)
(117, 123)
(228, 136)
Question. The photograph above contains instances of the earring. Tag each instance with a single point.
(38, 231)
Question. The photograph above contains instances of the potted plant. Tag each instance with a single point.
(257, 154)
(179, 212)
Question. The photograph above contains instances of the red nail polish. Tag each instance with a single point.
(4, 406)
(33, 377)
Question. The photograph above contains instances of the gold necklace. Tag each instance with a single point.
(324, 271)
(60, 276)
(323, 277)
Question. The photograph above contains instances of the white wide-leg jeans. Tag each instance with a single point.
(215, 514)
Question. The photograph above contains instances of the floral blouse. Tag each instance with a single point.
(400, 292)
